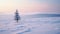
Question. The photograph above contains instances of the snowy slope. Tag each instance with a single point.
(47, 25)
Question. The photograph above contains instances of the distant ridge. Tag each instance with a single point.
(44, 15)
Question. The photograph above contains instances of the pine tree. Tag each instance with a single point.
(17, 17)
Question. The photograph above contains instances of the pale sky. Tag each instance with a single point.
(29, 6)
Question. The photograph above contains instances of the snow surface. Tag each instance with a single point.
(47, 25)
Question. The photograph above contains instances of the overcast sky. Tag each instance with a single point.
(29, 6)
